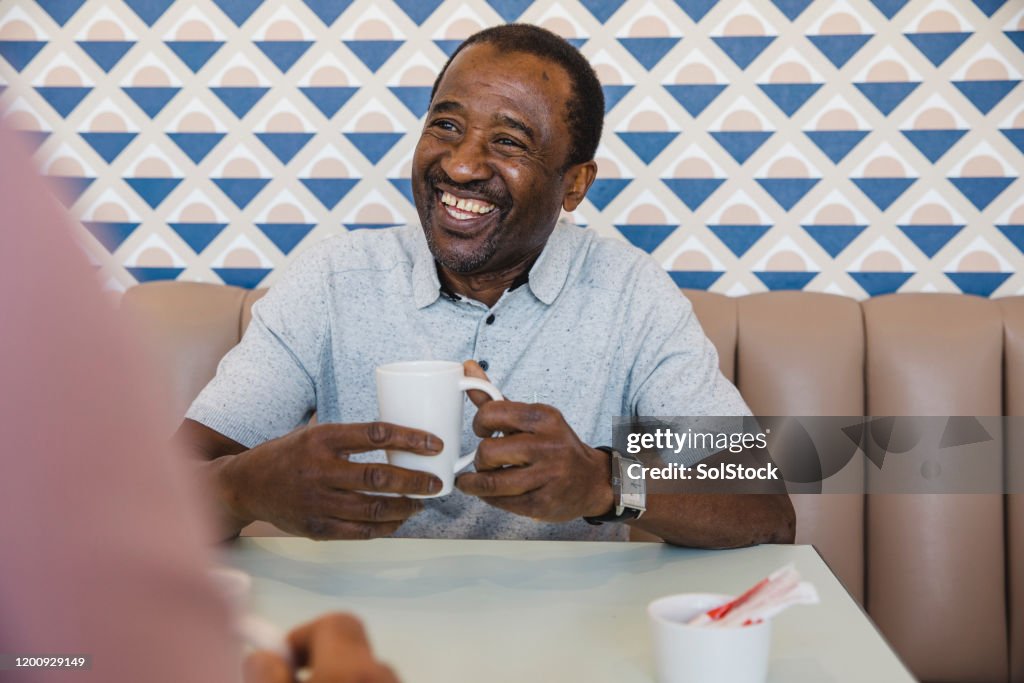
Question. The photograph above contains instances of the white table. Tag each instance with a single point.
(471, 611)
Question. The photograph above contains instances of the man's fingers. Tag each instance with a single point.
(515, 450)
(510, 481)
(381, 478)
(371, 436)
(359, 507)
(471, 368)
(331, 529)
(263, 666)
(511, 416)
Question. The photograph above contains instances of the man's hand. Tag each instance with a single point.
(540, 468)
(304, 483)
(334, 648)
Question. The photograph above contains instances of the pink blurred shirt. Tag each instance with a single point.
(102, 548)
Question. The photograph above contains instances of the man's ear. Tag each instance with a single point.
(578, 178)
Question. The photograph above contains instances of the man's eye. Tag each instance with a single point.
(444, 124)
(509, 142)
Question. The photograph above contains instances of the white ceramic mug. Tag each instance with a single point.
(427, 395)
(696, 654)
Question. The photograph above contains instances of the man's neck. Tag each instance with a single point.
(487, 287)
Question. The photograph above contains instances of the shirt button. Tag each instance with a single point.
(484, 365)
(490, 319)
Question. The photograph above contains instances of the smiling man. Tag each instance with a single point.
(581, 328)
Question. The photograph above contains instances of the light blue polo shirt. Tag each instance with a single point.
(599, 330)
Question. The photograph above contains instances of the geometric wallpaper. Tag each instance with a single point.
(858, 147)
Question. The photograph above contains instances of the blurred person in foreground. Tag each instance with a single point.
(77, 415)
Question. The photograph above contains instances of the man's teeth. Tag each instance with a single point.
(468, 206)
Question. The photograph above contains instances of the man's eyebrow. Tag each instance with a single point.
(445, 106)
(513, 122)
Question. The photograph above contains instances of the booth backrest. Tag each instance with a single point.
(941, 575)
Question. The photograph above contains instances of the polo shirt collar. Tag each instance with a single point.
(546, 278)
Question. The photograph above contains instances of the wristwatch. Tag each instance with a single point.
(630, 493)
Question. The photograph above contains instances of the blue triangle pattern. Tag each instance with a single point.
(883, 191)
(284, 146)
(989, 7)
(239, 99)
(149, 274)
(778, 280)
(741, 144)
(743, 49)
(1016, 37)
(153, 190)
(69, 188)
(839, 48)
(889, 7)
(19, 53)
(836, 144)
(646, 237)
(329, 99)
(935, 142)
(196, 145)
(238, 10)
(792, 8)
(110, 235)
(578, 43)
(246, 278)
(981, 191)
(418, 10)
(106, 53)
(241, 191)
(787, 191)
(696, 9)
(285, 236)
(789, 97)
(877, 282)
(195, 53)
(693, 191)
(985, 95)
(374, 145)
(283, 53)
(739, 238)
(149, 10)
(198, 235)
(63, 98)
(930, 238)
(887, 96)
(328, 11)
(978, 283)
(603, 9)
(1014, 233)
(937, 47)
(604, 190)
(613, 94)
(151, 99)
(647, 144)
(509, 9)
(448, 46)
(834, 238)
(1015, 136)
(329, 191)
(695, 98)
(108, 145)
(60, 10)
(649, 51)
(695, 279)
(404, 185)
(416, 98)
(373, 53)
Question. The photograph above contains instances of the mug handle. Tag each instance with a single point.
(465, 384)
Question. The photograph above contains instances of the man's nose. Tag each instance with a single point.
(466, 160)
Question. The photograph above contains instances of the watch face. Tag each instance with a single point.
(632, 491)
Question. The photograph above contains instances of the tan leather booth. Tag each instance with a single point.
(941, 575)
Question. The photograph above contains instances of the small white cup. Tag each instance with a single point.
(695, 654)
(427, 395)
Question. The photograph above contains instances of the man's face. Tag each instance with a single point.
(487, 172)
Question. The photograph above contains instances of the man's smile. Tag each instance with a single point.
(464, 215)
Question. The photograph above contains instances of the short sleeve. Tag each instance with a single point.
(675, 372)
(265, 387)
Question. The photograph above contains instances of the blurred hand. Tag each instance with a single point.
(304, 483)
(539, 468)
(334, 648)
